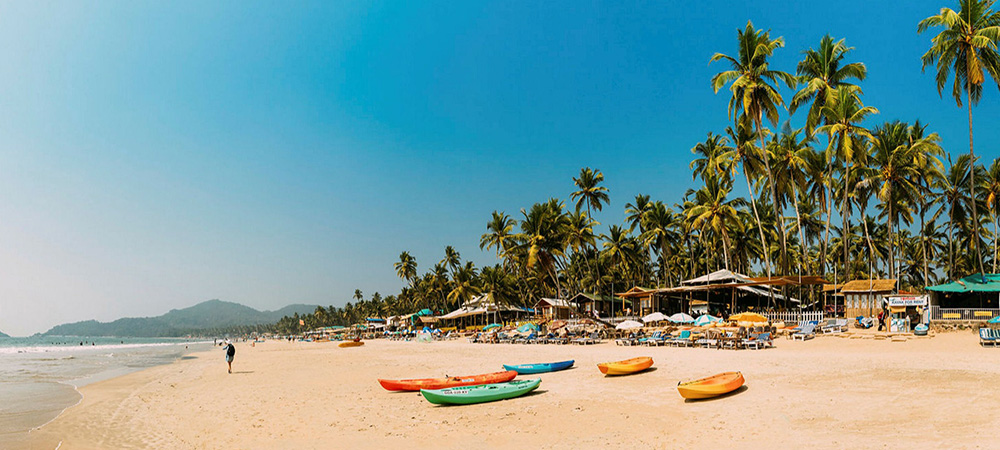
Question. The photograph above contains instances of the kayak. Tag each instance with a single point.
(524, 369)
(481, 393)
(712, 386)
(351, 344)
(627, 366)
(442, 383)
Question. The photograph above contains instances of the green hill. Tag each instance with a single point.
(211, 317)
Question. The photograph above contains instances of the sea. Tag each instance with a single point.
(40, 376)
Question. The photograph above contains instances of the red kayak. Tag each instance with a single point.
(443, 383)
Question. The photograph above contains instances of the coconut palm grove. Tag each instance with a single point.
(845, 196)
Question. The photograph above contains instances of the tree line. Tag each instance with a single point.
(844, 196)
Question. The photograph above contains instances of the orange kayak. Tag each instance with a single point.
(350, 344)
(712, 386)
(443, 383)
(627, 366)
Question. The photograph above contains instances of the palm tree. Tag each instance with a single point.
(790, 154)
(357, 295)
(714, 213)
(927, 159)
(993, 203)
(499, 234)
(635, 211)
(967, 45)
(660, 226)
(406, 268)
(895, 175)
(590, 192)
(848, 139)
(953, 199)
(711, 160)
(543, 238)
(746, 155)
(452, 259)
(752, 95)
(466, 284)
(821, 72)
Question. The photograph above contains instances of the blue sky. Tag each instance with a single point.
(157, 154)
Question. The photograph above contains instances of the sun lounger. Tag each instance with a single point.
(758, 341)
(987, 337)
(651, 340)
(805, 333)
(594, 338)
(834, 326)
(682, 340)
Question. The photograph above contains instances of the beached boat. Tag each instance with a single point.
(442, 383)
(480, 394)
(525, 369)
(627, 366)
(712, 386)
(351, 344)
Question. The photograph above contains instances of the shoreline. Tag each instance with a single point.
(829, 392)
(38, 389)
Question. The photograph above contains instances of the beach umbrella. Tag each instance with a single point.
(994, 320)
(705, 319)
(629, 325)
(491, 326)
(556, 324)
(654, 317)
(681, 318)
(527, 327)
(747, 317)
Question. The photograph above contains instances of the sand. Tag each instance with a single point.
(824, 393)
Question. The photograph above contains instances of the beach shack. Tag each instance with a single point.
(905, 312)
(645, 299)
(596, 305)
(865, 297)
(553, 308)
(972, 298)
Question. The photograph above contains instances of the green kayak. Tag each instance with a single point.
(467, 395)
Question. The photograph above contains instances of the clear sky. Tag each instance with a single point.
(157, 154)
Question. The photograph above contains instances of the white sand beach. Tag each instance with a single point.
(825, 393)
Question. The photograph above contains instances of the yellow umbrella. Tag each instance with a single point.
(747, 317)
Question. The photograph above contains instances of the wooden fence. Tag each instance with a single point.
(794, 316)
(963, 314)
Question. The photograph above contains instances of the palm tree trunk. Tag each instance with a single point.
(846, 232)
(892, 248)
(923, 243)
(760, 226)
(774, 200)
(802, 239)
(951, 242)
(827, 210)
(994, 241)
(972, 180)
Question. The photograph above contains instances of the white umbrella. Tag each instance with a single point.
(681, 318)
(628, 325)
(705, 319)
(654, 317)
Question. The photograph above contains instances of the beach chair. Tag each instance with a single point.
(682, 340)
(986, 336)
(709, 340)
(526, 339)
(587, 340)
(805, 333)
(758, 341)
(651, 340)
(834, 326)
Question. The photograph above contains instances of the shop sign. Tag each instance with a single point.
(907, 301)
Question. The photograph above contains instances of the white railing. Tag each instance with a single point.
(963, 314)
(794, 316)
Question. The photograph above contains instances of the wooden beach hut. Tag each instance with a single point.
(865, 297)
(553, 308)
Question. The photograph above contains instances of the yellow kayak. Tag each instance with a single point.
(712, 386)
(627, 366)
(351, 344)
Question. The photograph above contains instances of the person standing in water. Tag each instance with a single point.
(230, 354)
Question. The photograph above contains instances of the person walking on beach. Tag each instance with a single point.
(230, 353)
(881, 319)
